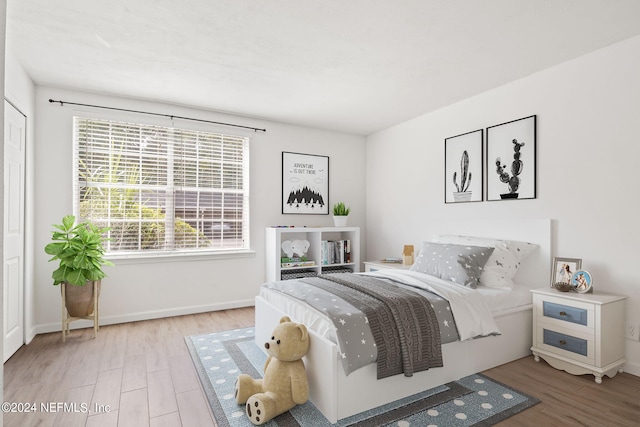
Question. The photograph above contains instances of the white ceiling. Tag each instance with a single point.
(356, 66)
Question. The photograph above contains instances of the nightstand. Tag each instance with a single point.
(579, 333)
(381, 265)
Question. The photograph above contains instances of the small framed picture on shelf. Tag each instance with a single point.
(582, 282)
(563, 269)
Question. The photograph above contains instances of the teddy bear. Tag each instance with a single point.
(284, 384)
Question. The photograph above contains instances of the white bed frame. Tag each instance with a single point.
(339, 396)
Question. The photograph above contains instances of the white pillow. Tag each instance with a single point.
(503, 263)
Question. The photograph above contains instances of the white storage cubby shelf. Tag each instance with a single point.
(315, 236)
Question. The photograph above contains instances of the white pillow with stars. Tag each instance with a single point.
(504, 262)
(461, 264)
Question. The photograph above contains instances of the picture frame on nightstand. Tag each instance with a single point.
(582, 282)
(562, 269)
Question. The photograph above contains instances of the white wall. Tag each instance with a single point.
(161, 287)
(588, 143)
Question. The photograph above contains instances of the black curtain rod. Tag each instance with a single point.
(157, 114)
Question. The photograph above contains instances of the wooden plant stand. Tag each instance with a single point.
(67, 319)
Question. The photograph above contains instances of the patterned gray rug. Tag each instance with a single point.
(475, 400)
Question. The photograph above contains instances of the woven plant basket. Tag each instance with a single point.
(79, 299)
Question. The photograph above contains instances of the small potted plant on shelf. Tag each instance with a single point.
(79, 249)
(340, 214)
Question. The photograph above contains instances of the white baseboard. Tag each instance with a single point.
(632, 368)
(134, 317)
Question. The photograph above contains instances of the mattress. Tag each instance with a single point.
(500, 301)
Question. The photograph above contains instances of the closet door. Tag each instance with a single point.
(13, 229)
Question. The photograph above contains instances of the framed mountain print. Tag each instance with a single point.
(305, 184)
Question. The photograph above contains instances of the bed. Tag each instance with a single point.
(339, 395)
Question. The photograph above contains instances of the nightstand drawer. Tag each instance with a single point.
(565, 313)
(565, 342)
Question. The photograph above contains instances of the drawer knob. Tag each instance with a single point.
(562, 342)
(563, 313)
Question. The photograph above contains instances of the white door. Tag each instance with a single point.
(13, 231)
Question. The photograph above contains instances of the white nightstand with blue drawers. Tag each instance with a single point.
(579, 333)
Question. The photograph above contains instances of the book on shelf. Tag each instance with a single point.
(336, 252)
(293, 259)
(296, 262)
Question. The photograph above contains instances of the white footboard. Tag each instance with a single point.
(321, 362)
(339, 396)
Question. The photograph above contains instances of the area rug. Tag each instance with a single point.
(475, 400)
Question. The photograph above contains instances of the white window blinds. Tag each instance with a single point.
(162, 189)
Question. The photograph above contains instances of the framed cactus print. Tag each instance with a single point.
(511, 160)
(463, 167)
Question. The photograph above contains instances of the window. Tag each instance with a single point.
(162, 189)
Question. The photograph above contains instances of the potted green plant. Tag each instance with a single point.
(78, 247)
(340, 214)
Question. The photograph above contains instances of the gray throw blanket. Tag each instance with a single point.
(403, 323)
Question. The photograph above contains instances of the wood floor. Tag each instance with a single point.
(143, 374)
